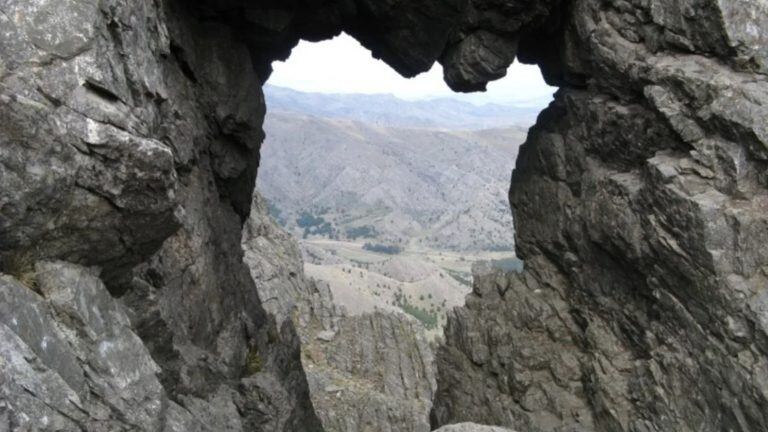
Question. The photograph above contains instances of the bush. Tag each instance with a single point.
(253, 361)
(501, 248)
(307, 220)
(365, 231)
(315, 225)
(429, 319)
(21, 266)
(459, 278)
(380, 248)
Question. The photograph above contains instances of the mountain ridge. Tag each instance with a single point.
(388, 110)
(441, 188)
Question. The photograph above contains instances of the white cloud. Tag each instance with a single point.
(342, 65)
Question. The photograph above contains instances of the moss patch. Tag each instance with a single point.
(21, 266)
(253, 362)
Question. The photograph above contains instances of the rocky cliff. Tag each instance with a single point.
(640, 203)
(129, 135)
(129, 143)
(368, 372)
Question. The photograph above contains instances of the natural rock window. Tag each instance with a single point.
(394, 189)
(129, 141)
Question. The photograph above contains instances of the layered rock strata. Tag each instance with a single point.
(130, 142)
(640, 204)
(366, 372)
(129, 134)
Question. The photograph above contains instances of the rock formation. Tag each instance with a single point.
(639, 200)
(130, 142)
(371, 371)
(471, 427)
(129, 135)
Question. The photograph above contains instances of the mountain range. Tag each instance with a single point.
(385, 170)
(389, 111)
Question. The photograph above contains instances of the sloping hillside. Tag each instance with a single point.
(387, 110)
(346, 179)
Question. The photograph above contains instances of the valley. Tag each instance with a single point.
(423, 283)
(392, 201)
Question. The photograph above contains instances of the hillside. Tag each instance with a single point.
(390, 111)
(347, 179)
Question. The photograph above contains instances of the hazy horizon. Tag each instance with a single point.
(342, 66)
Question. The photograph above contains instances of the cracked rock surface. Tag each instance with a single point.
(129, 138)
(366, 372)
(640, 206)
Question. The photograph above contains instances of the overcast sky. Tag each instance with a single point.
(342, 65)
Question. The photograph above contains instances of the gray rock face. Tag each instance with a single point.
(367, 372)
(471, 427)
(70, 360)
(376, 373)
(474, 40)
(639, 201)
(128, 141)
(84, 178)
(130, 133)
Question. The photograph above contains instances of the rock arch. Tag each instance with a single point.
(130, 134)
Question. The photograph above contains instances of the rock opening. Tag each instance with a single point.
(129, 136)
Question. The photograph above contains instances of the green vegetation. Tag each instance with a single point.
(385, 249)
(365, 231)
(429, 319)
(500, 248)
(253, 362)
(315, 225)
(308, 220)
(21, 266)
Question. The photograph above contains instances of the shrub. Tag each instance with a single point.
(365, 231)
(429, 319)
(253, 361)
(315, 225)
(21, 266)
(459, 278)
(306, 220)
(380, 248)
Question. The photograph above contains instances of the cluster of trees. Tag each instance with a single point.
(365, 231)
(381, 248)
(428, 318)
(315, 225)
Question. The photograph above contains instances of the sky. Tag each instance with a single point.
(342, 65)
